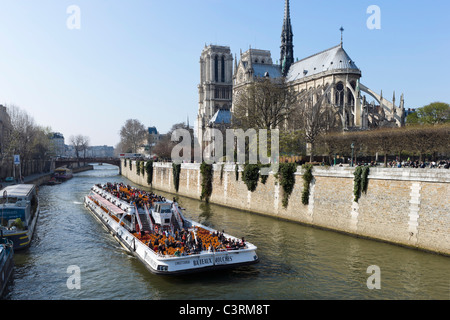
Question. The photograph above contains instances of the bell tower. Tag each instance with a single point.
(216, 84)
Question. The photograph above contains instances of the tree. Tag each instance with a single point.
(433, 113)
(25, 138)
(80, 144)
(314, 115)
(263, 105)
(133, 135)
(163, 149)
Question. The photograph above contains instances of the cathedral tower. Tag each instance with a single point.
(216, 86)
(287, 45)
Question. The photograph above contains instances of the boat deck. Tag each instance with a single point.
(107, 205)
(179, 242)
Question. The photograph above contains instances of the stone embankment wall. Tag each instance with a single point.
(408, 207)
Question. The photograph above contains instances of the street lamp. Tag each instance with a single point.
(353, 147)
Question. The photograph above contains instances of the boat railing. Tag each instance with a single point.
(177, 215)
(147, 214)
(138, 217)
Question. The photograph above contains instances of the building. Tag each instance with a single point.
(215, 88)
(331, 72)
(57, 143)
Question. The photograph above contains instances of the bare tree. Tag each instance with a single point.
(264, 104)
(80, 143)
(314, 114)
(25, 138)
(133, 135)
(163, 148)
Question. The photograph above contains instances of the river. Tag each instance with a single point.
(296, 262)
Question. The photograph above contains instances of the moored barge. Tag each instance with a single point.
(19, 211)
(156, 231)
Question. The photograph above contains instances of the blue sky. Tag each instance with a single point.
(140, 58)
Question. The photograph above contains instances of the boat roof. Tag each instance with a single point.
(18, 190)
(111, 207)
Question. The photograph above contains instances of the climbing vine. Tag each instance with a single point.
(206, 170)
(138, 167)
(221, 172)
(142, 166)
(307, 178)
(131, 165)
(287, 180)
(264, 177)
(149, 171)
(176, 168)
(250, 176)
(364, 179)
(360, 181)
(236, 171)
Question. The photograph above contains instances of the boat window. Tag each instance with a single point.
(10, 200)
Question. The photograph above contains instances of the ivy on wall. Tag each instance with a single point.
(264, 177)
(287, 180)
(307, 178)
(206, 171)
(176, 169)
(250, 176)
(221, 172)
(236, 171)
(149, 171)
(365, 179)
(360, 181)
(138, 167)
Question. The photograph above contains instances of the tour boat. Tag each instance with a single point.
(63, 174)
(156, 231)
(19, 211)
(6, 262)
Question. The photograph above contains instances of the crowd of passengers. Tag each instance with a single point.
(134, 195)
(192, 245)
(183, 238)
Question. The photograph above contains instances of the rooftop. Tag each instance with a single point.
(334, 58)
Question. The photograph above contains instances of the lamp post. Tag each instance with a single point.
(353, 147)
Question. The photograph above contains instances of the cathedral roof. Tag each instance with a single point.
(334, 58)
(221, 116)
(260, 69)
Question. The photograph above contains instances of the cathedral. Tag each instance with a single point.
(331, 72)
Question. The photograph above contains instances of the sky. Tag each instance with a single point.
(139, 59)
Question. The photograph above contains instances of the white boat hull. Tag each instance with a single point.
(159, 264)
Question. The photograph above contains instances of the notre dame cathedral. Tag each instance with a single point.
(224, 78)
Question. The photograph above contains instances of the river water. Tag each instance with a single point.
(296, 262)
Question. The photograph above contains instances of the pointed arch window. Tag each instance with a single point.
(216, 69)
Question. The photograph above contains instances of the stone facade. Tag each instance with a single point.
(408, 207)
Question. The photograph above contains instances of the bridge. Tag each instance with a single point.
(73, 162)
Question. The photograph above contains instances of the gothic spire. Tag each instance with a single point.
(287, 46)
